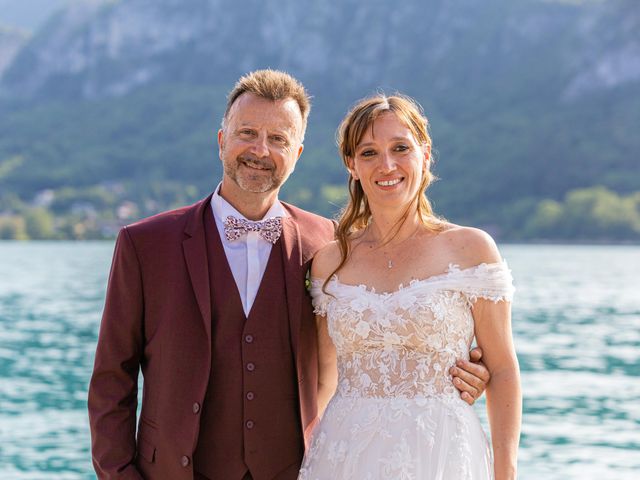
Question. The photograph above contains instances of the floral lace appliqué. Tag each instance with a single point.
(394, 353)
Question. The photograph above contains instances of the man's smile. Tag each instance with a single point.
(254, 165)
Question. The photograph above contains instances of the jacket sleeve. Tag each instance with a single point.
(113, 390)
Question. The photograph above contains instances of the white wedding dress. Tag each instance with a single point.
(396, 414)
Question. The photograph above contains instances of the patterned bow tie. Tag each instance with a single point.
(269, 229)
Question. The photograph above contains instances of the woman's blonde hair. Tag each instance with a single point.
(357, 214)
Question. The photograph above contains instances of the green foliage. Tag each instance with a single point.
(98, 196)
(39, 224)
(12, 228)
(10, 164)
(516, 150)
(588, 214)
(335, 195)
(546, 221)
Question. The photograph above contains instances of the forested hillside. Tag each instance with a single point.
(109, 112)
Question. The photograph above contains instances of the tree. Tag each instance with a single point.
(39, 224)
(12, 228)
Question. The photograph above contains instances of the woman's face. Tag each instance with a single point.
(389, 162)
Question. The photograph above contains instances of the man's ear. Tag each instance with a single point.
(220, 142)
(300, 149)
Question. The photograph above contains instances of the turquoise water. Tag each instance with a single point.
(576, 321)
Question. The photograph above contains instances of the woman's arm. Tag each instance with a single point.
(327, 365)
(504, 397)
(492, 322)
(324, 262)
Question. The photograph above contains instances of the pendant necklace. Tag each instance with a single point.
(390, 263)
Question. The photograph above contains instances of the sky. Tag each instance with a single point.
(27, 14)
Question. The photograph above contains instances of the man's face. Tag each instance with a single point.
(260, 143)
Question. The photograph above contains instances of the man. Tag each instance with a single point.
(209, 301)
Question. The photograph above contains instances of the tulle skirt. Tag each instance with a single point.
(425, 438)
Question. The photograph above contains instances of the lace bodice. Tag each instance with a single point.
(403, 343)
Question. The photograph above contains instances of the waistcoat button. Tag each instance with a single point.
(248, 338)
(249, 424)
(185, 461)
(251, 366)
(250, 396)
(196, 407)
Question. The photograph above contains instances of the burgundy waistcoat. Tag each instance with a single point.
(250, 415)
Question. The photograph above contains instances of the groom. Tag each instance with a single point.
(209, 301)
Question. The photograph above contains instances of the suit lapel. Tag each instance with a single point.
(195, 255)
(293, 277)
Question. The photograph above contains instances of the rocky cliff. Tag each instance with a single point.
(564, 49)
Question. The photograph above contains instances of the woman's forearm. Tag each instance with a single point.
(504, 406)
(325, 393)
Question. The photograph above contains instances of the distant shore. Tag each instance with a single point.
(540, 242)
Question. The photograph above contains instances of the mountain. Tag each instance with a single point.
(11, 41)
(27, 14)
(528, 100)
(111, 48)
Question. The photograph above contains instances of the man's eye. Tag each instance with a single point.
(246, 132)
(279, 139)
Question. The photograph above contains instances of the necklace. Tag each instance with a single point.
(390, 262)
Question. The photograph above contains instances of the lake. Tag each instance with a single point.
(576, 320)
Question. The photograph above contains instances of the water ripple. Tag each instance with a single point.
(576, 323)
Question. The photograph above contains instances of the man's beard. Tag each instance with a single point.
(253, 181)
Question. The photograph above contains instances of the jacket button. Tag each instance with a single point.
(251, 366)
(196, 407)
(248, 338)
(185, 461)
(249, 424)
(250, 396)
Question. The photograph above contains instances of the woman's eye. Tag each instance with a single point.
(402, 148)
(368, 153)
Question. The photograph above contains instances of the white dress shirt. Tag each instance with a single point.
(248, 255)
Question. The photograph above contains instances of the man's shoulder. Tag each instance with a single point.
(304, 217)
(315, 230)
(164, 223)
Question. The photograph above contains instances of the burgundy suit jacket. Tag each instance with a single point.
(157, 317)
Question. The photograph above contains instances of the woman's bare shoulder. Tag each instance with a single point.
(469, 246)
(326, 260)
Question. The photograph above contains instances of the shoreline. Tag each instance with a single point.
(538, 242)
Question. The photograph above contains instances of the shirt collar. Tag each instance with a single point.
(222, 209)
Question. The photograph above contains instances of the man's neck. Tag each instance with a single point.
(253, 206)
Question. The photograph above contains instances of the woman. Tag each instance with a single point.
(398, 297)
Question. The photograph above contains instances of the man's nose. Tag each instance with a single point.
(260, 146)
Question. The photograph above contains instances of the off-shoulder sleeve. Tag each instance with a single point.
(491, 281)
(319, 299)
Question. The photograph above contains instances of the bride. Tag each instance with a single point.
(399, 297)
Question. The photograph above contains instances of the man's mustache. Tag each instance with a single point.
(256, 162)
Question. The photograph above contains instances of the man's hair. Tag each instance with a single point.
(272, 85)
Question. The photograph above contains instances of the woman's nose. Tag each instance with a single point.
(387, 163)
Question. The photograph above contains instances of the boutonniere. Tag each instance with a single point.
(307, 281)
